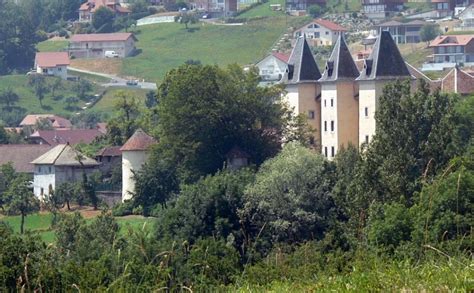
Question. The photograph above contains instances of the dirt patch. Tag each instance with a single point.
(86, 212)
(108, 66)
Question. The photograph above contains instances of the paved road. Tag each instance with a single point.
(116, 81)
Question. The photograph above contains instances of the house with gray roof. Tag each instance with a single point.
(403, 32)
(60, 164)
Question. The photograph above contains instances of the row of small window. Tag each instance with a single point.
(326, 125)
(333, 152)
(312, 115)
(332, 103)
(47, 170)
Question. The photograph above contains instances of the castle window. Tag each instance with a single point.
(332, 152)
(325, 128)
(332, 125)
(366, 139)
(326, 152)
(324, 102)
(366, 112)
(311, 115)
(332, 102)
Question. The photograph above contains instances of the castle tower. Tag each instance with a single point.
(384, 65)
(339, 104)
(302, 87)
(134, 155)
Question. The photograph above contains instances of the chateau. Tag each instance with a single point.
(341, 102)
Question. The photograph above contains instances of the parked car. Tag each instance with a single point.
(132, 82)
(111, 54)
(206, 16)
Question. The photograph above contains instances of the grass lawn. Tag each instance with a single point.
(415, 54)
(107, 103)
(52, 45)
(40, 223)
(344, 6)
(263, 10)
(29, 101)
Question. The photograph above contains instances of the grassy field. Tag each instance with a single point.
(28, 100)
(168, 45)
(263, 10)
(41, 224)
(106, 104)
(52, 45)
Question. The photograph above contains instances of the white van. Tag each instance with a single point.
(111, 54)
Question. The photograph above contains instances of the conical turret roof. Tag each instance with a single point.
(301, 66)
(385, 62)
(139, 141)
(340, 64)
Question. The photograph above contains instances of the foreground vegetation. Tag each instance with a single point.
(396, 215)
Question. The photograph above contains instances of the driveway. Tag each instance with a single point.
(116, 81)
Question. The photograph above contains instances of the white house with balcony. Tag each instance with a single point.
(320, 32)
(96, 45)
(273, 67)
(451, 50)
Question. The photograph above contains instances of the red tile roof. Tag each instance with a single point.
(281, 56)
(451, 40)
(57, 121)
(21, 155)
(51, 59)
(71, 136)
(329, 25)
(139, 141)
(112, 37)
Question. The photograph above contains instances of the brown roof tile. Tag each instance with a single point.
(21, 155)
(71, 136)
(112, 37)
(139, 141)
(111, 151)
(51, 59)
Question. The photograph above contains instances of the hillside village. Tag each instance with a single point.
(250, 128)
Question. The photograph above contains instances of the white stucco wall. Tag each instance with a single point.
(60, 71)
(131, 161)
(326, 37)
(43, 177)
(329, 139)
(271, 68)
(369, 92)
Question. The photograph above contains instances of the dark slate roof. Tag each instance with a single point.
(385, 61)
(110, 151)
(340, 64)
(302, 66)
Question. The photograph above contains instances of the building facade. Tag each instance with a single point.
(52, 64)
(451, 50)
(302, 5)
(273, 67)
(87, 9)
(320, 32)
(339, 104)
(379, 9)
(96, 45)
(402, 33)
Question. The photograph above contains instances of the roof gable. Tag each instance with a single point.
(64, 155)
(385, 61)
(340, 64)
(303, 67)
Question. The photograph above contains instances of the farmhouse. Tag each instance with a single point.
(95, 45)
(378, 9)
(29, 123)
(70, 136)
(273, 67)
(52, 63)
(134, 155)
(320, 32)
(87, 9)
(60, 164)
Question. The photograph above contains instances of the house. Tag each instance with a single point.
(302, 88)
(135, 152)
(60, 164)
(379, 9)
(320, 32)
(458, 81)
(273, 67)
(95, 45)
(451, 50)
(52, 63)
(57, 122)
(216, 8)
(385, 64)
(71, 136)
(339, 101)
(109, 158)
(87, 9)
(408, 32)
(302, 5)
(443, 8)
(21, 155)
